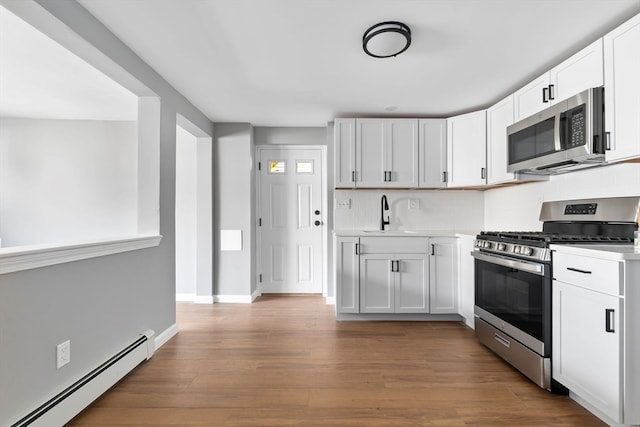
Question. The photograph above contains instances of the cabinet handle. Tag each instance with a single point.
(552, 94)
(577, 270)
(389, 176)
(433, 249)
(607, 138)
(393, 266)
(608, 318)
(545, 94)
(353, 176)
(483, 173)
(357, 248)
(444, 176)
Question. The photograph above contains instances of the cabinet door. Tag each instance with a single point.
(580, 72)
(376, 284)
(347, 272)
(432, 152)
(401, 153)
(466, 149)
(586, 357)
(528, 100)
(344, 131)
(466, 280)
(412, 283)
(622, 94)
(498, 118)
(443, 282)
(370, 152)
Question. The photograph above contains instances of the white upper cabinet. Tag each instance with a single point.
(344, 135)
(433, 153)
(371, 148)
(499, 117)
(580, 72)
(466, 149)
(402, 153)
(622, 90)
(376, 153)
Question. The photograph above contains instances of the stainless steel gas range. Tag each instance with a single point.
(514, 272)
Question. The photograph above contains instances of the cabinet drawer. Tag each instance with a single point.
(591, 273)
(385, 245)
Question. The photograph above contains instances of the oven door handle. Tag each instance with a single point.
(529, 267)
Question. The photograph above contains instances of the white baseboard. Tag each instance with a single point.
(166, 335)
(234, 299)
(197, 299)
(330, 300)
(185, 297)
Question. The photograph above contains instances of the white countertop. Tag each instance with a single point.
(612, 252)
(407, 233)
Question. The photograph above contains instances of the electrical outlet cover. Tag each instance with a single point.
(63, 354)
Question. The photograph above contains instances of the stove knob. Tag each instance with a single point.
(517, 249)
(487, 245)
(501, 247)
(527, 251)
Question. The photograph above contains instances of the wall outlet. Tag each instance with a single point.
(63, 353)
(414, 204)
(343, 203)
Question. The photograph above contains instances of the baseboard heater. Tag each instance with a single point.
(71, 401)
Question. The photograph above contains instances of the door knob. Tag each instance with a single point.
(316, 222)
(317, 212)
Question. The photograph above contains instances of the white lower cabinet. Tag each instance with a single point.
(394, 283)
(443, 275)
(586, 357)
(396, 275)
(466, 279)
(595, 343)
(347, 269)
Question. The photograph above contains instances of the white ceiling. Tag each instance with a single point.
(41, 79)
(300, 62)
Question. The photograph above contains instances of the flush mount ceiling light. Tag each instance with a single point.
(386, 39)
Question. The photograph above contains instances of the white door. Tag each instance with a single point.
(291, 220)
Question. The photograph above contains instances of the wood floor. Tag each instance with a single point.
(285, 361)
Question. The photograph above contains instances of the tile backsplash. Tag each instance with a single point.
(409, 209)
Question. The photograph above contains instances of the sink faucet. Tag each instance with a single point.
(384, 206)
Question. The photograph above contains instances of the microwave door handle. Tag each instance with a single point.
(557, 139)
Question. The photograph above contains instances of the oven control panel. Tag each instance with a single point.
(513, 250)
(581, 209)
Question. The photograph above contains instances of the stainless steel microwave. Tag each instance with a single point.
(568, 135)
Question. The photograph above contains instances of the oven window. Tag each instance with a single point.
(532, 142)
(512, 295)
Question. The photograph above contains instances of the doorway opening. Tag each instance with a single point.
(193, 214)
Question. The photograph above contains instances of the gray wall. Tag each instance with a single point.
(234, 200)
(100, 304)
